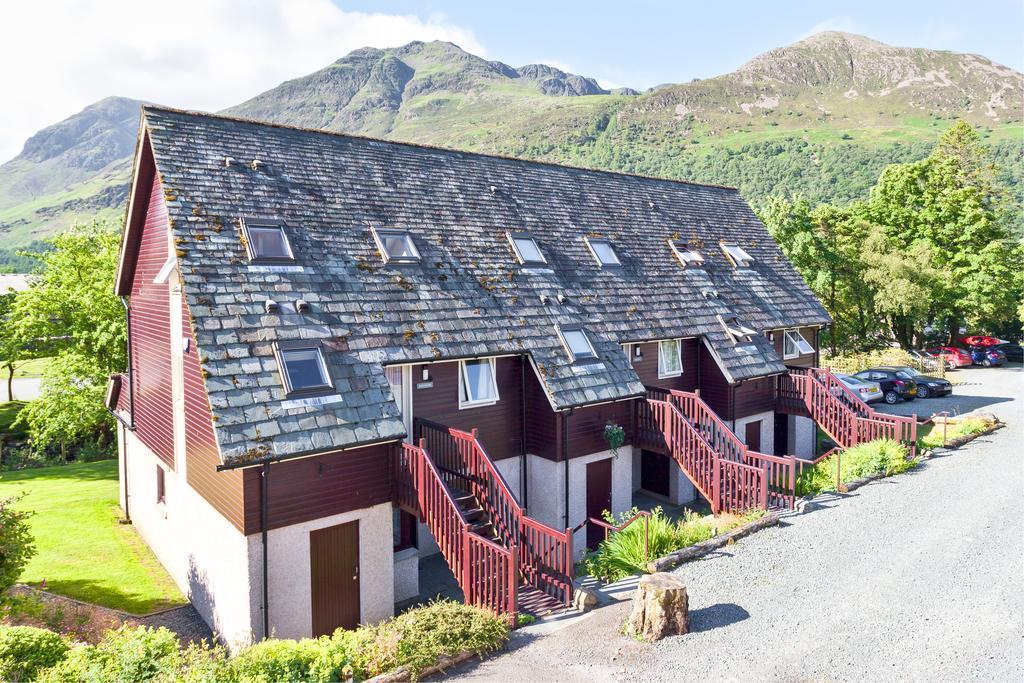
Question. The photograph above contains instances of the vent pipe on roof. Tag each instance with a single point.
(302, 306)
(257, 165)
(270, 306)
(561, 298)
(228, 162)
(544, 299)
(493, 189)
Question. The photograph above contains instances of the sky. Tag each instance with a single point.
(61, 55)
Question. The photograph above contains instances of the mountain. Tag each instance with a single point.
(822, 116)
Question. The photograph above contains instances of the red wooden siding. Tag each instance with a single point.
(151, 334)
(586, 426)
(753, 396)
(714, 388)
(647, 366)
(808, 359)
(315, 487)
(499, 425)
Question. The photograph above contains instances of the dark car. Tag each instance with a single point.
(926, 384)
(895, 383)
(987, 355)
(1014, 352)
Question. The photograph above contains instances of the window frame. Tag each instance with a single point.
(378, 238)
(574, 358)
(591, 241)
(464, 384)
(682, 250)
(738, 261)
(282, 348)
(266, 224)
(161, 485)
(737, 331)
(662, 373)
(796, 343)
(523, 235)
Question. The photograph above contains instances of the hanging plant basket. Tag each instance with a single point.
(614, 436)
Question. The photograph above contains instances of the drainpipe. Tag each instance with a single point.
(524, 479)
(565, 456)
(264, 485)
(131, 402)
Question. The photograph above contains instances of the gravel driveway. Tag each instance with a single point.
(916, 577)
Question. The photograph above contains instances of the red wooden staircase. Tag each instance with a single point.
(502, 559)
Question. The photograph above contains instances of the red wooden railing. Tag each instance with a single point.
(486, 572)
(610, 528)
(545, 553)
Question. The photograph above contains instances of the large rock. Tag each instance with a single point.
(660, 608)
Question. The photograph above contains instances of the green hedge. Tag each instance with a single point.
(25, 651)
(883, 456)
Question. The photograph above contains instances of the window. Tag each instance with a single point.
(267, 241)
(477, 384)
(794, 344)
(161, 491)
(604, 252)
(737, 330)
(687, 255)
(526, 249)
(396, 245)
(577, 344)
(670, 358)
(303, 369)
(738, 255)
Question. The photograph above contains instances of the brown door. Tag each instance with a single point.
(753, 435)
(599, 497)
(654, 472)
(334, 574)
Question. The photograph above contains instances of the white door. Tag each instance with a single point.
(400, 379)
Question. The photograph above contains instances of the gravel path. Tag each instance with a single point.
(916, 577)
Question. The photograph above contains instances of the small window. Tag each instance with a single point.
(794, 344)
(687, 255)
(738, 255)
(577, 344)
(670, 358)
(526, 249)
(737, 330)
(267, 242)
(477, 383)
(303, 369)
(604, 252)
(161, 490)
(396, 245)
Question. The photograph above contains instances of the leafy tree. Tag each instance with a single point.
(16, 544)
(15, 348)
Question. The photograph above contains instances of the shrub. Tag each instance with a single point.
(16, 544)
(25, 651)
(880, 456)
(276, 660)
(124, 654)
(933, 439)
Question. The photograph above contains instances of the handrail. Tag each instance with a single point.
(703, 410)
(609, 527)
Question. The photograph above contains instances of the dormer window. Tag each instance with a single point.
(739, 332)
(687, 255)
(737, 255)
(577, 344)
(267, 241)
(526, 249)
(604, 252)
(395, 246)
(794, 344)
(303, 368)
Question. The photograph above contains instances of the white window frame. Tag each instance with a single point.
(603, 240)
(248, 224)
(737, 255)
(574, 357)
(662, 373)
(378, 237)
(795, 337)
(464, 383)
(521, 235)
(687, 255)
(281, 352)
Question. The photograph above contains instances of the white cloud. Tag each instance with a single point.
(841, 23)
(60, 56)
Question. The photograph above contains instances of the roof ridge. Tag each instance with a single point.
(421, 145)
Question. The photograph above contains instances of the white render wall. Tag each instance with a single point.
(407, 574)
(511, 470)
(767, 430)
(207, 557)
(289, 571)
(802, 433)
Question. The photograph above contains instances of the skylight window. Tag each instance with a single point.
(267, 241)
(604, 252)
(687, 255)
(794, 344)
(737, 330)
(670, 358)
(738, 255)
(303, 369)
(526, 249)
(396, 245)
(577, 344)
(478, 385)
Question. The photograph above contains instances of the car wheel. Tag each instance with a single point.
(986, 363)
(922, 392)
(951, 365)
(892, 398)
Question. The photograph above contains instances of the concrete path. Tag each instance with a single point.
(917, 577)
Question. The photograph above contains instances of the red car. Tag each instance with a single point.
(953, 356)
(981, 340)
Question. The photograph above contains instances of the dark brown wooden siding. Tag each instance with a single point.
(151, 334)
(320, 486)
(222, 490)
(499, 425)
(753, 396)
(647, 366)
(543, 431)
(714, 388)
(806, 360)
(586, 426)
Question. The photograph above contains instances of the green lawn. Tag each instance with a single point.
(32, 368)
(82, 550)
(8, 411)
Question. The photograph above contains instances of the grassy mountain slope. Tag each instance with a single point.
(822, 116)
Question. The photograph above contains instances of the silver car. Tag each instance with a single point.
(868, 391)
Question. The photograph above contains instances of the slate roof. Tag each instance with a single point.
(467, 296)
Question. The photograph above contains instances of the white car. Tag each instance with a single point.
(869, 392)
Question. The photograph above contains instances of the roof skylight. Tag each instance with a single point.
(395, 245)
(577, 344)
(738, 255)
(526, 249)
(303, 369)
(267, 241)
(687, 255)
(737, 330)
(604, 252)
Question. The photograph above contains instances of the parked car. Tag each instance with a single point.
(981, 340)
(1014, 352)
(954, 355)
(930, 361)
(868, 391)
(894, 382)
(987, 356)
(928, 385)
